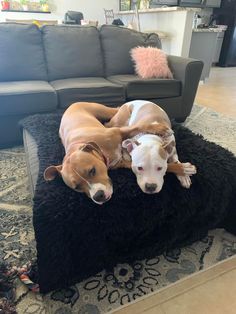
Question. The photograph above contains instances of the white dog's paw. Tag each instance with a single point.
(185, 181)
(189, 169)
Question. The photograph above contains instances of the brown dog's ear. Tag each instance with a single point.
(51, 172)
(90, 146)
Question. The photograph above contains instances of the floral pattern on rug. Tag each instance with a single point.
(127, 282)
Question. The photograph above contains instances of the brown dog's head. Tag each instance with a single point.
(85, 170)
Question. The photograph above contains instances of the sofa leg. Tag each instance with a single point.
(180, 120)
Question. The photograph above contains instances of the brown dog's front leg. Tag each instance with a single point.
(129, 131)
(181, 169)
(160, 129)
(176, 168)
(123, 164)
(157, 129)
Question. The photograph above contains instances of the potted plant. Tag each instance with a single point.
(24, 4)
(44, 5)
(5, 5)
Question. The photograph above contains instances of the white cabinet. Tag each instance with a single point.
(219, 42)
(213, 3)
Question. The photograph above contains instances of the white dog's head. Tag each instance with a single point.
(149, 164)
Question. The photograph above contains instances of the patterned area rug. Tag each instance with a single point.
(105, 291)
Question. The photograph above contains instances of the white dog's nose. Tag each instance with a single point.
(150, 187)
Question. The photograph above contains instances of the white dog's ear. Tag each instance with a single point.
(51, 172)
(130, 144)
(169, 146)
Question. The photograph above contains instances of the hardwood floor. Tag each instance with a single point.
(206, 292)
(219, 91)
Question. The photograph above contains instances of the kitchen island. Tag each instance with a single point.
(206, 45)
(175, 22)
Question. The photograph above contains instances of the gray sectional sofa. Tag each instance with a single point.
(47, 69)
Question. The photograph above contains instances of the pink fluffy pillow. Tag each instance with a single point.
(150, 62)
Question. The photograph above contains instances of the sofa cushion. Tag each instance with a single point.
(88, 89)
(137, 88)
(117, 43)
(21, 53)
(72, 51)
(26, 97)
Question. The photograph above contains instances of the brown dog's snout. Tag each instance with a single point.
(150, 187)
(99, 196)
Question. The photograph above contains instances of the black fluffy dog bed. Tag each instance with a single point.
(77, 238)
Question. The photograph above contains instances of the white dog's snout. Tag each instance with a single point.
(150, 187)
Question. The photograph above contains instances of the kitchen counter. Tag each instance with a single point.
(208, 30)
(162, 9)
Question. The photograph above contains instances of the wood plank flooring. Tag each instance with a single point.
(219, 91)
(210, 291)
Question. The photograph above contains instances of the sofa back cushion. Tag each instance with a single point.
(117, 43)
(72, 51)
(21, 53)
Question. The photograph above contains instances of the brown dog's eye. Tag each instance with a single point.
(78, 187)
(92, 172)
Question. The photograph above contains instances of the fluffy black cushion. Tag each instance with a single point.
(77, 238)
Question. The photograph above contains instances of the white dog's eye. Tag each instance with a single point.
(159, 168)
(140, 168)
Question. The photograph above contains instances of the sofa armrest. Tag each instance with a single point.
(188, 71)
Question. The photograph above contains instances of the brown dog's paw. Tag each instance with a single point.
(189, 169)
(159, 129)
(108, 124)
(185, 181)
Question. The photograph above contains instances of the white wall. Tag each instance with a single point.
(92, 10)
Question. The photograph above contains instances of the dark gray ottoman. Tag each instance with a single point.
(77, 238)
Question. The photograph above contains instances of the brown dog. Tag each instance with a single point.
(91, 149)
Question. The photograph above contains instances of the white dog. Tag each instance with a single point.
(151, 155)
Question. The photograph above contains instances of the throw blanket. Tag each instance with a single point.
(77, 238)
